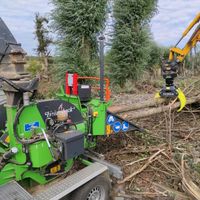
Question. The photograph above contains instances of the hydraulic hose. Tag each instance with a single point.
(16, 122)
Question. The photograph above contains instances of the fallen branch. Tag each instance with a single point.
(136, 161)
(188, 184)
(137, 151)
(137, 195)
(171, 192)
(150, 160)
(148, 103)
(136, 106)
(153, 111)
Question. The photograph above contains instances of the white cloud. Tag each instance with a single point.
(167, 26)
(19, 17)
(173, 18)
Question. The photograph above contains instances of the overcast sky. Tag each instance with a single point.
(167, 26)
(172, 19)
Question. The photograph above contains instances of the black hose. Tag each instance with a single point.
(60, 125)
(90, 120)
(16, 122)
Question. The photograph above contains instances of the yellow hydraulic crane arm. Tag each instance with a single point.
(176, 56)
(182, 53)
(191, 25)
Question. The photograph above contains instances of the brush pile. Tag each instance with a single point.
(162, 163)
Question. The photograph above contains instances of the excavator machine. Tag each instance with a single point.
(176, 57)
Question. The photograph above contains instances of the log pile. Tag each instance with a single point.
(150, 107)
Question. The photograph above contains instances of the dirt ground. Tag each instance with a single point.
(161, 163)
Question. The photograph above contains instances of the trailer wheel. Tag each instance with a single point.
(96, 189)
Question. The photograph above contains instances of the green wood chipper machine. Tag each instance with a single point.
(40, 140)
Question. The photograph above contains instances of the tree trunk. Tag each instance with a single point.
(46, 64)
(148, 103)
(148, 108)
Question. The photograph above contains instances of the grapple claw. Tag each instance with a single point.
(157, 95)
(181, 98)
(169, 94)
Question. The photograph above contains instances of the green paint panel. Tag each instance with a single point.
(7, 174)
(99, 122)
(12, 172)
(36, 176)
(20, 157)
(29, 115)
(70, 98)
(40, 154)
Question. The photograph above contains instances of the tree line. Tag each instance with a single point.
(77, 25)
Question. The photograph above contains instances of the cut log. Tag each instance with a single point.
(146, 104)
(146, 112)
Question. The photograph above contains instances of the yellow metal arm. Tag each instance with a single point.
(194, 22)
(176, 56)
(181, 53)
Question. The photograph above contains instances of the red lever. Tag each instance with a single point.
(71, 83)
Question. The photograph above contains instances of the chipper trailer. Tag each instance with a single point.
(40, 140)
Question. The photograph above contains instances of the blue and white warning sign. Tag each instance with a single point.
(110, 119)
(27, 127)
(125, 126)
(117, 126)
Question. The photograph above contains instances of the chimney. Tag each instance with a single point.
(12, 56)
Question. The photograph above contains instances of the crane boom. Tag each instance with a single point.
(191, 25)
(182, 53)
(176, 56)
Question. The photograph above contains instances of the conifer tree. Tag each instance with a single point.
(77, 24)
(130, 50)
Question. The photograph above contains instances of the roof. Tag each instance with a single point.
(8, 43)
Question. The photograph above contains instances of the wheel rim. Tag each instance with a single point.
(97, 193)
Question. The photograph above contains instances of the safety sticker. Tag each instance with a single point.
(117, 127)
(27, 127)
(110, 119)
(125, 126)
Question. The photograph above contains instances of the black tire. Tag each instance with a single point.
(100, 186)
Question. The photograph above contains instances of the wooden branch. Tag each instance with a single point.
(137, 151)
(150, 160)
(190, 187)
(150, 107)
(146, 104)
(171, 192)
(139, 195)
(136, 161)
(153, 111)
(149, 103)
